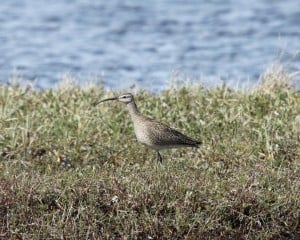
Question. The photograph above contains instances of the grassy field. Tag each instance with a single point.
(69, 170)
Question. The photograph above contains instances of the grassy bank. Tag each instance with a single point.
(69, 170)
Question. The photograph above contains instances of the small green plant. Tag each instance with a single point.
(73, 171)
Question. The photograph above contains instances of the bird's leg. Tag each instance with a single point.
(159, 157)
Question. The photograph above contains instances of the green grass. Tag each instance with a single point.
(73, 171)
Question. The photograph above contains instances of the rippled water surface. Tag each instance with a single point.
(145, 42)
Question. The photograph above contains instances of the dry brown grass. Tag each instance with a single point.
(73, 171)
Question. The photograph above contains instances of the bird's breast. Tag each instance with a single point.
(141, 134)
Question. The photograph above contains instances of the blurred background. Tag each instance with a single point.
(146, 43)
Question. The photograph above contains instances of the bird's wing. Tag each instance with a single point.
(165, 135)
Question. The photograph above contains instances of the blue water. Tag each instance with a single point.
(146, 42)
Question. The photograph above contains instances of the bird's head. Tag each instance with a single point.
(125, 98)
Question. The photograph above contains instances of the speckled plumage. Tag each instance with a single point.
(151, 133)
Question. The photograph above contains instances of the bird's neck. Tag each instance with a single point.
(133, 110)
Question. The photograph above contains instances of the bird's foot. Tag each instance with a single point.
(159, 157)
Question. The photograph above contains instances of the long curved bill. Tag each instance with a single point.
(104, 100)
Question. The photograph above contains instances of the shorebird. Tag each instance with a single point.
(151, 133)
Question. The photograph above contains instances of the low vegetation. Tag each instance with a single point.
(69, 170)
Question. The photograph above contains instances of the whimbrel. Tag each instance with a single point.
(151, 133)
